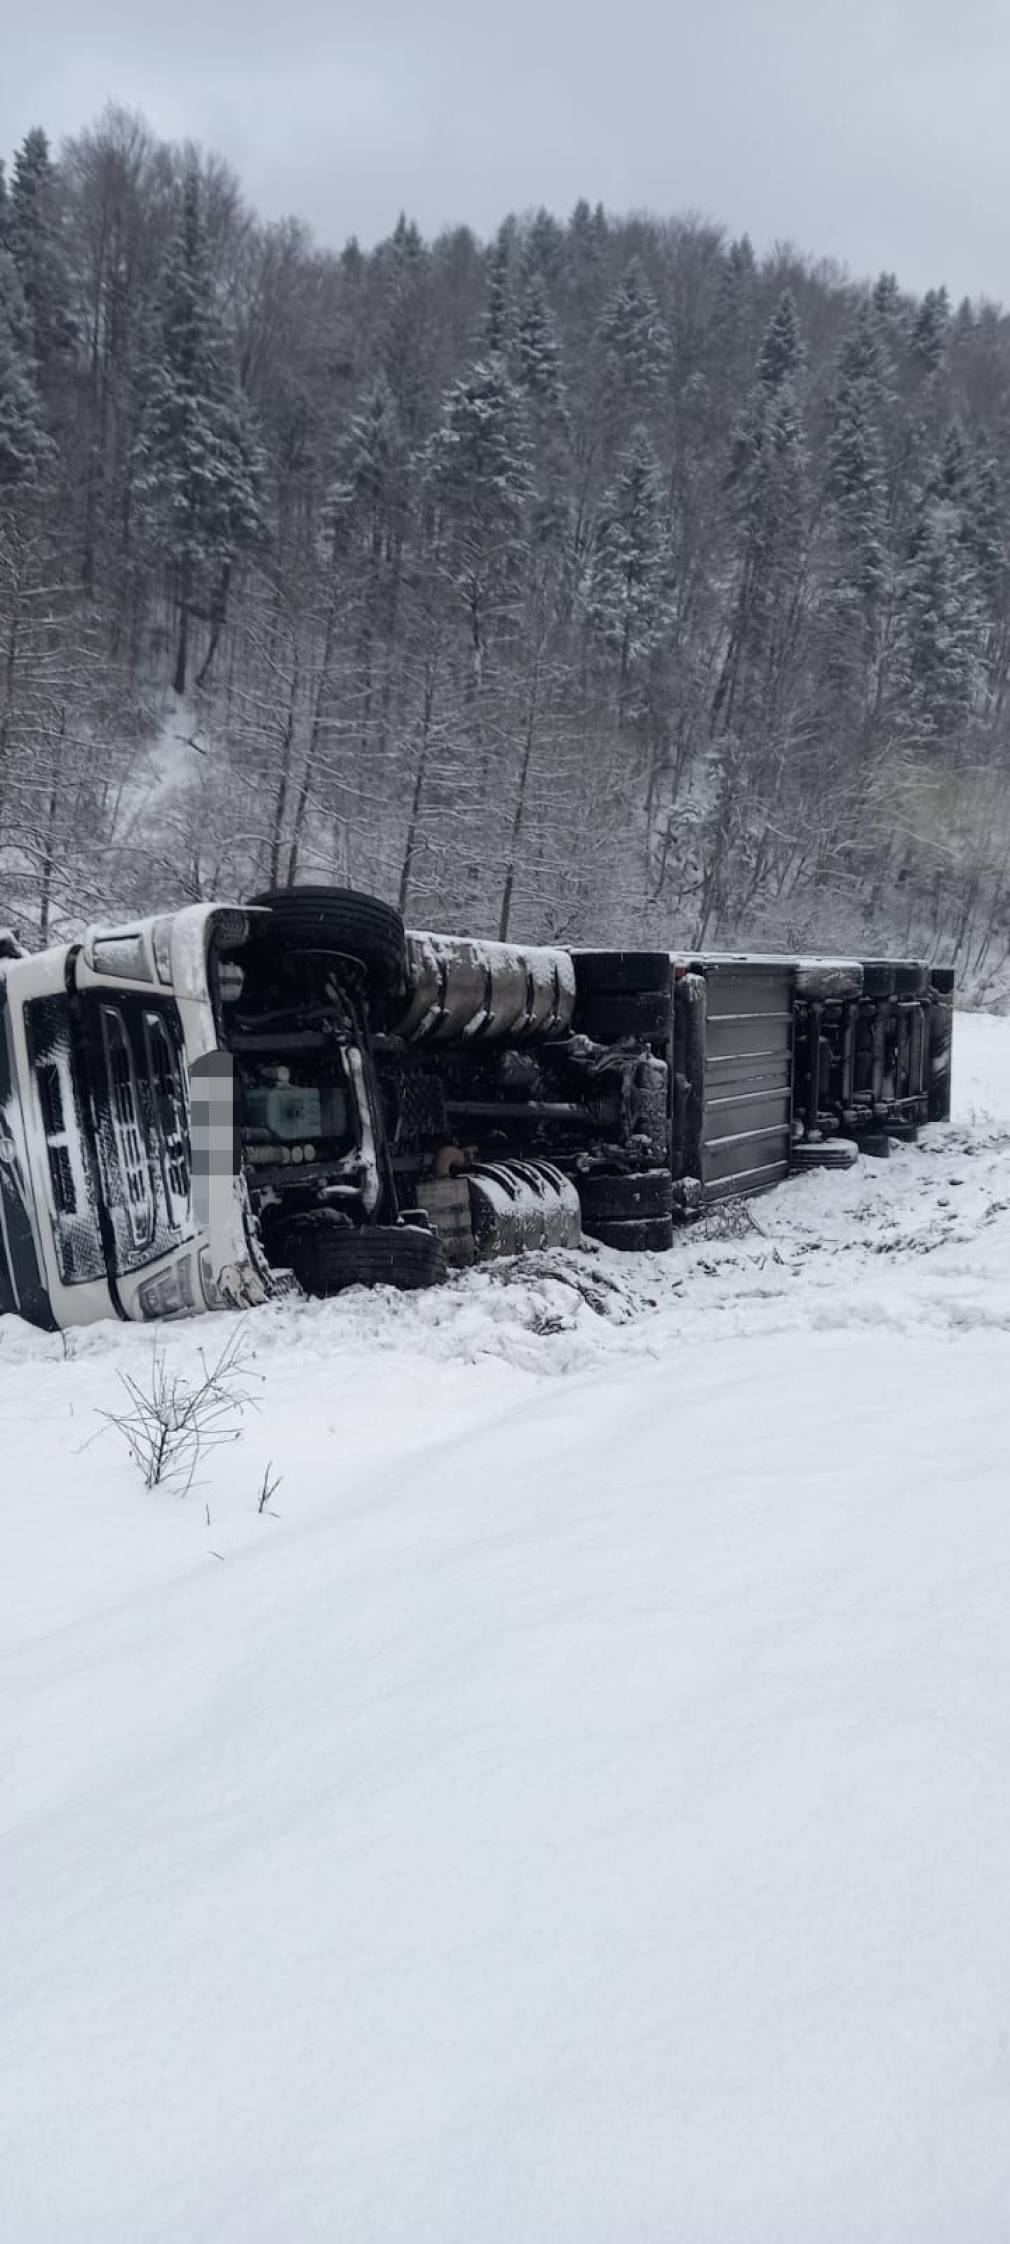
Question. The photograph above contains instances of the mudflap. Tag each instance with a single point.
(519, 1206)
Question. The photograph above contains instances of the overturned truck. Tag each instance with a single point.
(226, 1103)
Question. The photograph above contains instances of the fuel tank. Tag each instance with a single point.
(472, 991)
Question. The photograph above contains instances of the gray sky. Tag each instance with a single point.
(876, 132)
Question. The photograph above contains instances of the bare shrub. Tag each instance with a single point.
(175, 1420)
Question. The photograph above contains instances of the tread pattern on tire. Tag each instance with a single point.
(346, 921)
(825, 1153)
(326, 1259)
(625, 1198)
(649, 1235)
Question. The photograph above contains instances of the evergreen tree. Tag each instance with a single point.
(859, 572)
(538, 352)
(24, 446)
(732, 338)
(34, 239)
(635, 342)
(581, 287)
(585, 255)
(629, 598)
(540, 380)
(478, 476)
(371, 458)
(857, 485)
(767, 480)
(930, 329)
(498, 333)
(406, 350)
(199, 469)
(942, 618)
(544, 247)
(986, 528)
(782, 356)
(887, 302)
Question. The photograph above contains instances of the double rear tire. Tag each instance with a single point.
(626, 1198)
(650, 1235)
(628, 1211)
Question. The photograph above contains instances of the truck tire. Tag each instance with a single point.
(648, 1235)
(625, 1198)
(341, 919)
(328, 1257)
(617, 971)
(824, 1153)
(609, 1015)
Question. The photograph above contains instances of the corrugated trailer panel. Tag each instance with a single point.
(735, 1023)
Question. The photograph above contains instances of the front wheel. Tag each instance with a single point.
(342, 920)
(327, 1258)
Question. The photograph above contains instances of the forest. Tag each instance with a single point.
(602, 581)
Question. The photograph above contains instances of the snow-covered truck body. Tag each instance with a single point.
(211, 1107)
(113, 1201)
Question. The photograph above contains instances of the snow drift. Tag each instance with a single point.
(576, 1806)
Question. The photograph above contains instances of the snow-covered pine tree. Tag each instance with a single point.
(35, 240)
(768, 485)
(634, 343)
(584, 271)
(628, 600)
(478, 477)
(942, 617)
(25, 448)
(199, 469)
(406, 341)
(987, 536)
(540, 380)
(857, 498)
(538, 352)
(930, 329)
(544, 247)
(498, 328)
(888, 304)
(732, 335)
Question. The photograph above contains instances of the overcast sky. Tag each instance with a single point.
(876, 132)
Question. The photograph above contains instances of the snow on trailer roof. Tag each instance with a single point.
(812, 977)
(760, 958)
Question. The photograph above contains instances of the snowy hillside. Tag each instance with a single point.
(576, 1808)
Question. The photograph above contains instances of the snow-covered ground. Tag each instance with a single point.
(577, 1808)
